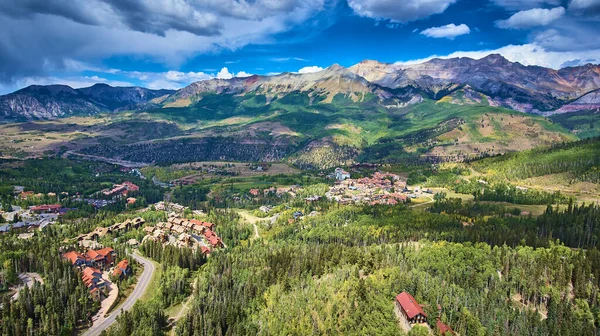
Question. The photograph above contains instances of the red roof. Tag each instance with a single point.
(205, 224)
(90, 271)
(105, 251)
(208, 233)
(121, 267)
(131, 186)
(444, 328)
(409, 305)
(99, 254)
(46, 207)
(205, 250)
(123, 264)
(214, 240)
(73, 256)
(89, 274)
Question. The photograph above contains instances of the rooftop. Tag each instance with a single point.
(410, 306)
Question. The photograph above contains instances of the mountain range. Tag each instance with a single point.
(492, 79)
(53, 101)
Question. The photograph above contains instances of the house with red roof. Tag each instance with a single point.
(122, 270)
(207, 225)
(102, 258)
(45, 208)
(205, 250)
(444, 329)
(92, 278)
(130, 186)
(77, 259)
(410, 308)
(213, 239)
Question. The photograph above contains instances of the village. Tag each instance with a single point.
(39, 216)
(98, 265)
(181, 232)
(380, 188)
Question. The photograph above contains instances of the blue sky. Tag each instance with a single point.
(171, 43)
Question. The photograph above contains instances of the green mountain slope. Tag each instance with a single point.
(313, 133)
(579, 160)
(585, 124)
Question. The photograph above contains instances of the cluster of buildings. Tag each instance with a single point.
(411, 313)
(167, 206)
(380, 188)
(87, 240)
(34, 218)
(339, 174)
(272, 191)
(92, 264)
(121, 189)
(98, 203)
(182, 232)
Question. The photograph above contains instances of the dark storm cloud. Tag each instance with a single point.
(147, 16)
(76, 11)
(156, 17)
(42, 37)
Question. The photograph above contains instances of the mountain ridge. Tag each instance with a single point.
(57, 100)
(531, 89)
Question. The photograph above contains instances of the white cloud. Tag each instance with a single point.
(224, 74)
(176, 79)
(532, 18)
(310, 69)
(525, 4)
(243, 74)
(178, 76)
(449, 31)
(399, 10)
(527, 54)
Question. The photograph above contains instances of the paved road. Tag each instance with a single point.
(129, 164)
(139, 290)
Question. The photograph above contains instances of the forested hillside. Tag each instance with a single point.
(580, 160)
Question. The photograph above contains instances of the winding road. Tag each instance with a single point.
(139, 290)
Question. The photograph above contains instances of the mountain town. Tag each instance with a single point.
(299, 167)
